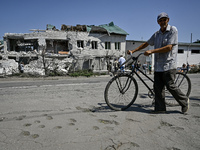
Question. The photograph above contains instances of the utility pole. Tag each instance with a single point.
(189, 49)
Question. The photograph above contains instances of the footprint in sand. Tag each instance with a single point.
(132, 120)
(34, 136)
(21, 117)
(95, 128)
(49, 117)
(108, 121)
(72, 122)
(41, 126)
(162, 123)
(25, 133)
(177, 128)
(58, 127)
(27, 125)
(37, 121)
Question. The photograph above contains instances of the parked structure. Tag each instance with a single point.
(93, 47)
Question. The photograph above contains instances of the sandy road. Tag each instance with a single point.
(70, 113)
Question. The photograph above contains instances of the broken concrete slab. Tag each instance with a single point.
(8, 67)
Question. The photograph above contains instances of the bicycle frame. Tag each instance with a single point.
(136, 68)
(122, 90)
(134, 71)
(185, 71)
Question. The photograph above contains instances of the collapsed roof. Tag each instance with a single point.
(110, 28)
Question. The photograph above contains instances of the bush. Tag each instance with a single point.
(194, 69)
(26, 75)
(86, 73)
(55, 73)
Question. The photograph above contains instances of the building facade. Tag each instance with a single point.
(188, 53)
(92, 47)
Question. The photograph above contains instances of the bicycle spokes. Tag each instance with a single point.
(121, 92)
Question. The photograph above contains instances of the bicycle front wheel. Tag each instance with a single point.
(183, 82)
(121, 92)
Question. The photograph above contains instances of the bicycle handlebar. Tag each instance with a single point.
(132, 57)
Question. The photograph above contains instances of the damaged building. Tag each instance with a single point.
(81, 46)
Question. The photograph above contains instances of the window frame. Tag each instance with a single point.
(94, 44)
(107, 45)
(117, 45)
(80, 44)
(180, 51)
(193, 51)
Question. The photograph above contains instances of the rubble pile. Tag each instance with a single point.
(8, 67)
(51, 64)
(36, 67)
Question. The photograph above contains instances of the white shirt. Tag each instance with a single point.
(168, 60)
(122, 60)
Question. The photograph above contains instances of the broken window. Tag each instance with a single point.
(23, 45)
(80, 44)
(54, 46)
(117, 45)
(107, 45)
(94, 44)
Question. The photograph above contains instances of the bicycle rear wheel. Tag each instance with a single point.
(121, 92)
(184, 84)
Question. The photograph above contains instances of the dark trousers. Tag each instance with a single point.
(166, 79)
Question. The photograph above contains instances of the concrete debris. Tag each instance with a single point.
(52, 64)
(8, 67)
(35, 67)
(78, 28)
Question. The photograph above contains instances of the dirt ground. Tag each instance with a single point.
(71, 113)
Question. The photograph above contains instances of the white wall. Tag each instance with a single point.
(187, 56)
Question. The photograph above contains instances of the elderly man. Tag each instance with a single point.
(165, 43)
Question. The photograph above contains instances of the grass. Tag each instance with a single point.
(86, 73)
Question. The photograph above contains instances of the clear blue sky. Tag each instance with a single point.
(137, 17)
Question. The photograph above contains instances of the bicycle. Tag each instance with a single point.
(122, 90)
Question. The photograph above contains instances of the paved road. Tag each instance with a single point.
(70, 113)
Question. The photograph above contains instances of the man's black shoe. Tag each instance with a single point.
(185, 108)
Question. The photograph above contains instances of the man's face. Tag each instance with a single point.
(163, 22)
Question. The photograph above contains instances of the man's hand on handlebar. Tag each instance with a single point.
(147, 53)
(129, 52)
